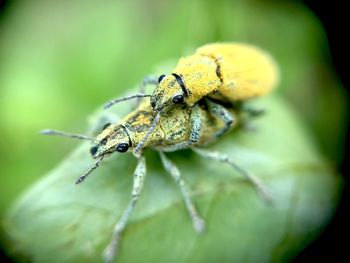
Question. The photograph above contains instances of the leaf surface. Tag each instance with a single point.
(57, 221)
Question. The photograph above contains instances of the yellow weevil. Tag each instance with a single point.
(225, 72)
(180, 128)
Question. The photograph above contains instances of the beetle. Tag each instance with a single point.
(226, 72)
(178, 129)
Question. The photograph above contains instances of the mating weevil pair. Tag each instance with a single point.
(191, 107)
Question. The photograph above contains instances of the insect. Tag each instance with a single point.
(226, 72)
(177, 129)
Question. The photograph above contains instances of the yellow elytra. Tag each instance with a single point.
(227, 72)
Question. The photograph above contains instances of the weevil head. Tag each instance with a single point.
(114, 138)
(171, 90)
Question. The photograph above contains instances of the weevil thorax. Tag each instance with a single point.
(193, 78)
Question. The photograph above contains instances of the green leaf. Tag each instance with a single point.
(57, 221)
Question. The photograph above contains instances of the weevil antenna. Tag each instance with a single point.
(88, 172)
(150, 130)
(135, 96)
(69, 135)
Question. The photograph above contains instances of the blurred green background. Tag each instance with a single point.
(60, 60)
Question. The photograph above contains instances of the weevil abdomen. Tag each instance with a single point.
(245, 71)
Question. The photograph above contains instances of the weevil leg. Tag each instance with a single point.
(223, 114)
(111, 251)
(100, 121)
(196, 124)
(221, 157)
(149, 80)
(196, 131)
(170, 167)
(253, 112)
(248, 114)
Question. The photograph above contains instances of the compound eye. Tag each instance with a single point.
(122, 147)
(178, 99)
(160, 78)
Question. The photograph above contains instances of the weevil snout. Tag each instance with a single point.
(113, 138)
(170, 90)
(153, 103)
(93, 150)
(98, 149)
(158, 101)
